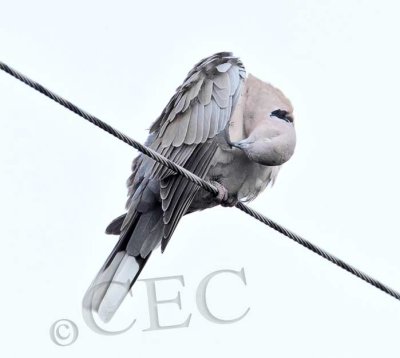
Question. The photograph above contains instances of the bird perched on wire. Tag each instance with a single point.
(232, 130)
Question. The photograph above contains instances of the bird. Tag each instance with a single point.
(230, 129)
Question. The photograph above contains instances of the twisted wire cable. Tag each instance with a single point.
(198, 181)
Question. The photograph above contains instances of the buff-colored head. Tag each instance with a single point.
(264, 123)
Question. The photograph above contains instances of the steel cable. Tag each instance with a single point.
(198, 181)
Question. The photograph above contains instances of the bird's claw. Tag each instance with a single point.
(222, 191)
(223, 197)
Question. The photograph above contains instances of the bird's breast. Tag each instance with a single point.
(240, 176)
(243, 178)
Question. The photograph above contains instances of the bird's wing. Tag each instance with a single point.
(185, 131)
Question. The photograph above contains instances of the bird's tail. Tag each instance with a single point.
(119, 272)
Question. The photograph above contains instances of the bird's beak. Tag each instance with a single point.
(241, 144)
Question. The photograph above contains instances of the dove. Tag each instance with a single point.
(230, 129)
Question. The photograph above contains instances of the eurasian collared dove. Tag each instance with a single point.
(228, 129)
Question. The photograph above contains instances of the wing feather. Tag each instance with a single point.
(194, 91)
(182, 129)
(200, 123)
(207, 121)
(185, 132)
(214, 79)
(192, 128)
(223, 67)
(183, 197)
(234, 79)
(178, 108)
(221, 96)
(222, 80)
(206, 92)
(214, 114)
(223, 117)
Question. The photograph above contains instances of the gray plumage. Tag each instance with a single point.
(219, 126)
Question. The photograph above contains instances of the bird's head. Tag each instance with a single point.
(268, 128)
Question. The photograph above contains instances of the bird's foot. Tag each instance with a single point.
(223, 197)
(222, 191)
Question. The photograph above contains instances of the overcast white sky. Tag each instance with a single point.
(63, 180)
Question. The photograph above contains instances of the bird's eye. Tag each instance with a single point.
(282, 114)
